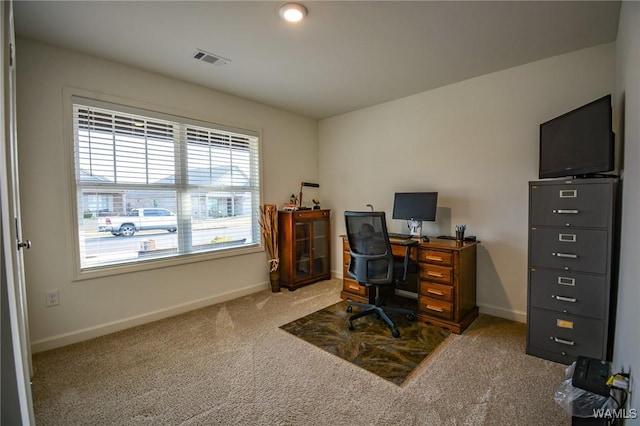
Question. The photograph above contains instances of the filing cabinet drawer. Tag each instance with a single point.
(353, 287)
(571, 205)
(565, 334)
(583, 250)
(436, 291)
(437, 257)
(436, 308)
(569, 292)
(436, 273)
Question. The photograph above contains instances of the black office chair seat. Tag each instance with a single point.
(372, 264)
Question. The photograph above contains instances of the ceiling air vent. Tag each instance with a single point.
(210, 58)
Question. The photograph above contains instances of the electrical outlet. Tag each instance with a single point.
(53, 297)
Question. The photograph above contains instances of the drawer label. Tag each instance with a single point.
(567, 238)
(568, 193)
(567, 281)
(564, 324)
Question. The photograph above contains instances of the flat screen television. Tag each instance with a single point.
(415, 207)
(578, 143)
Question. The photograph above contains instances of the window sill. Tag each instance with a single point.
(156, 263)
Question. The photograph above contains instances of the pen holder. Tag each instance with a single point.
(459, 235)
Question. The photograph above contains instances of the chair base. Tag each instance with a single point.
(376, 309)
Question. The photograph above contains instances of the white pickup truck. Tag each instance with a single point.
(139, 220)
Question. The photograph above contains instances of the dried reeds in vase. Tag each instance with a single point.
(269, 225)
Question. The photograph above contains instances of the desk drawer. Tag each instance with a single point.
(565, 334)
(436, 291)
(346, 257)
(435, 308)
(350, 286)
(310, 214)
(436, 257)
(400, 250)
(436, 273)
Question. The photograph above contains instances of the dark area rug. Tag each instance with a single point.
(370, 345)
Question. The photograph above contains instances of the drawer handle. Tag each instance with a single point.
(565, 211)
(567, 281)
(567, 238)
(564, 342)
(568, 193)
(434, 258)
(436, 292)
(567, 255)
(435, 308)
(354, 287)
(564, 299)
(435, 274)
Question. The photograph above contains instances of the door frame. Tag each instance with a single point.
(18, 382)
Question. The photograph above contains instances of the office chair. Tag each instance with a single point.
(373, 264)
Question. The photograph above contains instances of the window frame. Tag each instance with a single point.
(70, 96)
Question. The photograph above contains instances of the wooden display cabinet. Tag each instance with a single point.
(304, 249)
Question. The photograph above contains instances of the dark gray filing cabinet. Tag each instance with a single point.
(572, 268)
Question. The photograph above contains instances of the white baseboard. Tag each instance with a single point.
(484, 309)
(108, 328)
(503, 313)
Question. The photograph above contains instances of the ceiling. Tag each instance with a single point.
(345, 56)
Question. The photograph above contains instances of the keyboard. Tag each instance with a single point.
(400, 236)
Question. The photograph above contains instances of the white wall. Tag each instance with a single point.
(476, 143)
(626, 353)
(94, 307)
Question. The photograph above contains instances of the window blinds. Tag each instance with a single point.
(128, 159)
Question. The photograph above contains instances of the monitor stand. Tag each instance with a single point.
(415, 228)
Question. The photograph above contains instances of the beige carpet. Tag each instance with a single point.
(230, 364)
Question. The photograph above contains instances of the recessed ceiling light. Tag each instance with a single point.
(293, 12)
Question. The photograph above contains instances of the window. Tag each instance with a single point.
(152, 186)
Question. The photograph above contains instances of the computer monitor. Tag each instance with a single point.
(415, 207)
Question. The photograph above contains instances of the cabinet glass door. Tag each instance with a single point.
(320, 248)
(302, 235)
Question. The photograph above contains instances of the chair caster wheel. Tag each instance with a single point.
(351, 327)
(411, 317)
(395, 332)
(349, 309)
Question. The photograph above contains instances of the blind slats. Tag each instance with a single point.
(126, 161)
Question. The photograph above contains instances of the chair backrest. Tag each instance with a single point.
(370, 249)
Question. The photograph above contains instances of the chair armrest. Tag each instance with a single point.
(407, 258)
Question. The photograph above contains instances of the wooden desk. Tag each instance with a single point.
(445, 285)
